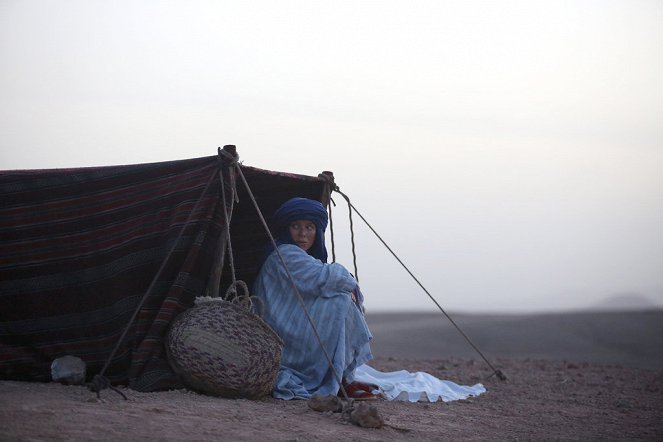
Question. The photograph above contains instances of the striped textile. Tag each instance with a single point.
(79, 249)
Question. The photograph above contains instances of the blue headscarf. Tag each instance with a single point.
(300, 209)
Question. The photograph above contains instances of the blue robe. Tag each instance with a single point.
(326, 290)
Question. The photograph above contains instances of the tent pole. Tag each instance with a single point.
(213, 286)
(325, 196)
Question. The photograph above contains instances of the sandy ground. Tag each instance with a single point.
(544, 398)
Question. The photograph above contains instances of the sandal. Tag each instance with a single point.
(358, 392)
(369, 388)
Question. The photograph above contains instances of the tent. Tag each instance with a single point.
(80, 248)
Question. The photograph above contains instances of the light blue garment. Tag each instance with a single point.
(403, 385)
(326, 291)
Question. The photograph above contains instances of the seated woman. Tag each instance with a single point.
(331, 296)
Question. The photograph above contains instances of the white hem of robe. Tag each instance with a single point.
(415, 387)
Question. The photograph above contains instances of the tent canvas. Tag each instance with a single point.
(80, 247)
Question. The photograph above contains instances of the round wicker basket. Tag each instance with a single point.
(222, 349)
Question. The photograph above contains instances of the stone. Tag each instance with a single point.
(68, 370)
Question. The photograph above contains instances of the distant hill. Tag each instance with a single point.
(627, 301)
(627, 338)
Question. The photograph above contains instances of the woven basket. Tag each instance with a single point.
(222, 349)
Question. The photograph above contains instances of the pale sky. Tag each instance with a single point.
(511, 152)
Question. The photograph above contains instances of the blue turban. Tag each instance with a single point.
(300, 209)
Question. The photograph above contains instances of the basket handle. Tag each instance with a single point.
(244, 299)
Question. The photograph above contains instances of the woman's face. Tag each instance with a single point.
(303, 233)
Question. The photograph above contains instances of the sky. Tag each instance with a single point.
(509, 152)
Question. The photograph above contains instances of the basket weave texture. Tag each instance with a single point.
(222, 349)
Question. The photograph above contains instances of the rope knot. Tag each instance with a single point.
(329, 178)
(228, 156)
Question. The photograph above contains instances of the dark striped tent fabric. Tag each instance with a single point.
(80, 247)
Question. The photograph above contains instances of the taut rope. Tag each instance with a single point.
(351, 207)
(100, 382)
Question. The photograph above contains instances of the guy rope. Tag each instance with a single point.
(352, 208)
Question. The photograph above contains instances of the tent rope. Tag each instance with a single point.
(495, 371)
(292, 283)
(330, 185)
(352, 238)
(228, 214)
(100, 382)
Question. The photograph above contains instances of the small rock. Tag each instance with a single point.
(325, 403)
(68, 370)
(366, 416)
(621, 404)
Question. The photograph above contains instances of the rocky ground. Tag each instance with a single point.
(541, 399)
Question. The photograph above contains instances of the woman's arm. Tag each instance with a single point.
(311, 276)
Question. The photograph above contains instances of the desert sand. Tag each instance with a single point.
(582, 376)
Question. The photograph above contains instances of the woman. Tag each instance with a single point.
(331, 296)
